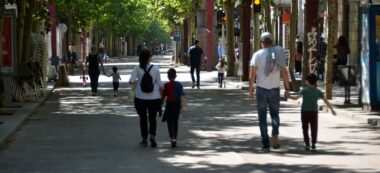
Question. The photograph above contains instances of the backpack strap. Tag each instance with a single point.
(149, 68)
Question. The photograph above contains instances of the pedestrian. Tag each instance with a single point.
(267, 67)
(309, 110)
(196, 54)
(92, 63)
(321, 58)
(72, 59)
(220, 50)
(221, 67)
(115, 80)
(147, 80)
(342, 50)
(175, 101)
(238, 62)
(299, 56)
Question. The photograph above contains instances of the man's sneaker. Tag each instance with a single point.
(265, 149)
(193, 86)
(153, 143)
(144, 143)
(307, 148)
(313, 149)
(275, 142)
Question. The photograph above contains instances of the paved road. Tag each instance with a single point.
(75, 132)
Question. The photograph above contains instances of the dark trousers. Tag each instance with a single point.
(115, 86)
(198, 70)
(147, 109)
(94, 77)
(220, 78)
(298, 65)
(310, 118)
(171, 115)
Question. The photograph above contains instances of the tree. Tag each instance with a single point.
(332, 21)
(267, 11)
(2, 3)
(246, 35)
(293, 29)
(229, 9)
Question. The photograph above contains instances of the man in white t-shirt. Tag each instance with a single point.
(267, 67)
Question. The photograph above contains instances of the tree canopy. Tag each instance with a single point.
(142, 19)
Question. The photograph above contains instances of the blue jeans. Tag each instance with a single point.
(220, 78)
(268, 98)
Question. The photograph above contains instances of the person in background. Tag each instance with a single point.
(92, 63)
(115, 80)
(72, 59)
(196, 54)
(222, 68)
(342, 50)
(299, 57)
(220, 50)
(321, 57)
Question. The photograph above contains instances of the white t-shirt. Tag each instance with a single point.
(115, 77)
(221, 69)
(259, 60)
(136, 77)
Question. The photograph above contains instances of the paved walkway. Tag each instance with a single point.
(75, 132)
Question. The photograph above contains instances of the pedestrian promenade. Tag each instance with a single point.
(218, 132)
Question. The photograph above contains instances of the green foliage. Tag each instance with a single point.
(142, 19)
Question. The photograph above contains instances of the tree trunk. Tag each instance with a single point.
(310, 38)
(256, 32)
(21, 8)
(332, 21)
(129, 45)
(292, 39)
(27, 31)
(1, 55)
(229, 8)
(268, 19)
(246, 35)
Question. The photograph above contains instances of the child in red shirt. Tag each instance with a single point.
(175, 100)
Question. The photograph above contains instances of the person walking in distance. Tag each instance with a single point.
(309, 110)
(115, 80)
(267, 67)
(196, 56)
(92, 62)
(222, 68)
(147, 80)
(175, 101)
(72, 59)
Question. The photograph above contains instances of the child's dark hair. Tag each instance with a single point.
(114, 69)
(312, 79)
(222, 62)
(172, 74)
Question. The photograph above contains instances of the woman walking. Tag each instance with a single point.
(148, 101)
(92, 62)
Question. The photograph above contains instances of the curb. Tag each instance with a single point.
(11, 126)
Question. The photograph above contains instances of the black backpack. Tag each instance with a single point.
(147, 81)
